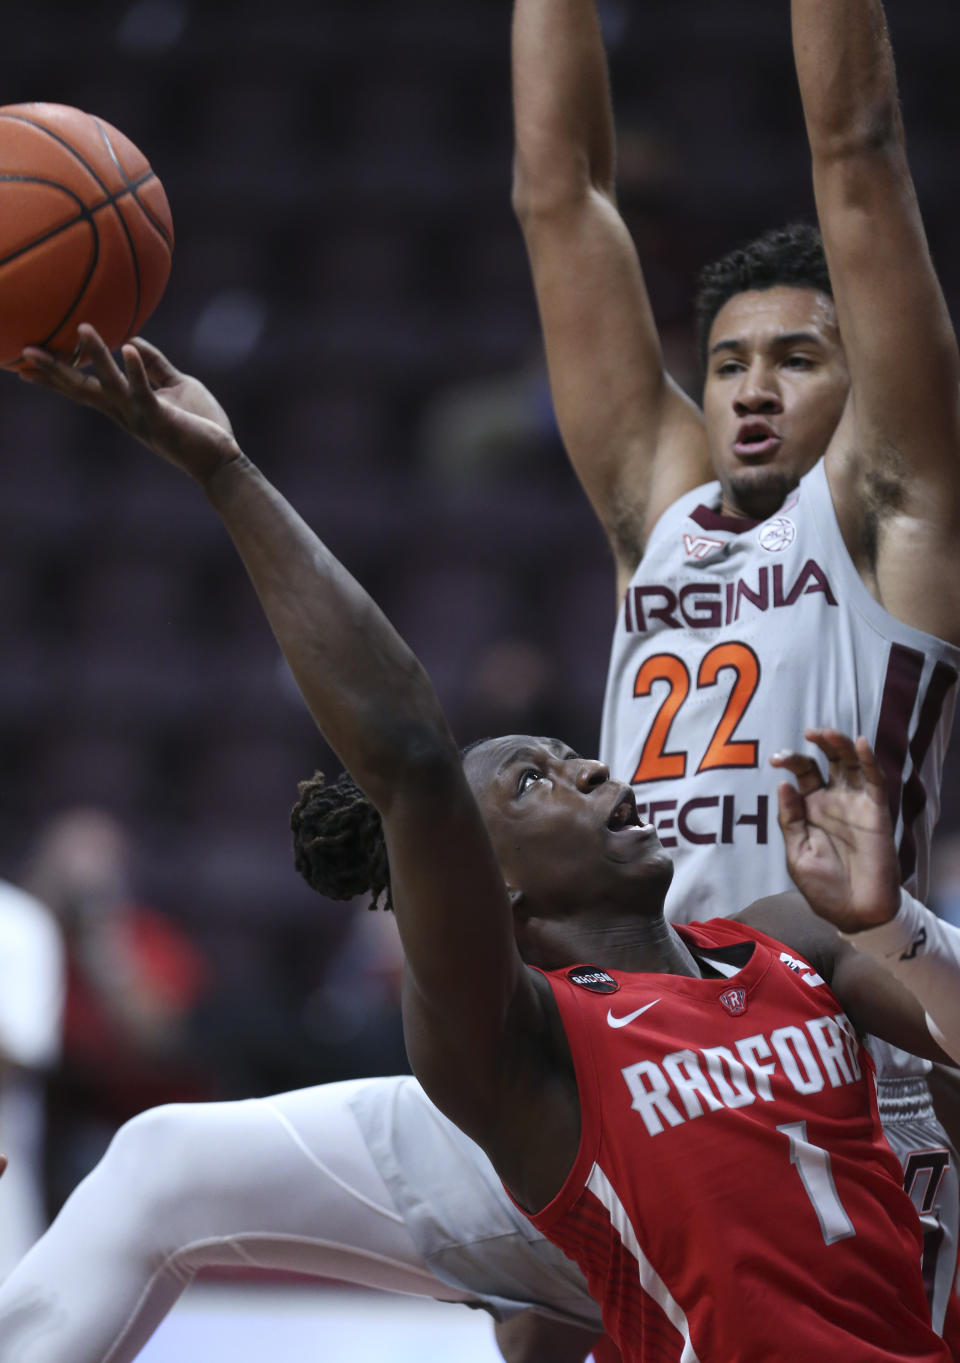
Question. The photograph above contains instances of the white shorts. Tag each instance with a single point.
(289, 1182)
(456, 1210)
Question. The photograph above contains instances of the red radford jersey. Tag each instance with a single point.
(733, 1197)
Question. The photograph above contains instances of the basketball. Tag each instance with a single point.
(85, 231)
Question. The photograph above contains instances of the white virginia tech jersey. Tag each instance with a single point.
(734, 637)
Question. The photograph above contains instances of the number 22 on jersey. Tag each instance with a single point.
(723, 749)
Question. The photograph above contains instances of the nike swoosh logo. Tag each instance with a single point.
(622, 1022)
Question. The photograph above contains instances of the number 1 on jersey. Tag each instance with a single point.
(812, 1163)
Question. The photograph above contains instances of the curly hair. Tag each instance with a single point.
(791, 255)
(338, 842)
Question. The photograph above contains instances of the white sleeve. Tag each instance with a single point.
(923, 952)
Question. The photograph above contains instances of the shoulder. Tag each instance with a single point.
(683, 507)
(788, 921)
(633, 550)
(551, 989)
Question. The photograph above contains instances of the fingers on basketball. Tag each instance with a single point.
(42, 368)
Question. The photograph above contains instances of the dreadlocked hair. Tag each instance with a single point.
(791, 255)
(338, 843)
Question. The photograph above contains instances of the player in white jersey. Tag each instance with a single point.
(638, 451)
(734, 633)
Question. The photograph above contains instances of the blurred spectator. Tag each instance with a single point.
(31, 1007)
(480, 429)
(296, 1006)
(134, 980)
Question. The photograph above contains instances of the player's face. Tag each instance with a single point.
(775, 390)
(566, 835)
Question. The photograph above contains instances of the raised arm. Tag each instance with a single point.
(469, 1006)
(635, 440)
(894, 466)
(840, 851)
(842, 857)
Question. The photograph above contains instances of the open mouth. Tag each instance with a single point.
(756, 440)
(624, 813)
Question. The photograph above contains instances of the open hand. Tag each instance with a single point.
(169, 412)
(838, 833)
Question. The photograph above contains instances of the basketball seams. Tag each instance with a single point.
(133, 186)
(83, 287)
(91, 162)
(130, 186)
(86, 211)
(62, 141)
(131, 190)
(84, 215)
(91, 170)
(128, 235)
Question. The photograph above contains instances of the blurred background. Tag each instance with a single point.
(349, 279)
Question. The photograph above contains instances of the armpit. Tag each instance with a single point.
(625, 532)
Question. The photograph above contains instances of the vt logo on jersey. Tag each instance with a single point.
(699, 546)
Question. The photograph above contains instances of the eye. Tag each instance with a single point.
(527, 778)
(727, 368)
(798, 362)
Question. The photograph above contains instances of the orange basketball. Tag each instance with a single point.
(85, 230)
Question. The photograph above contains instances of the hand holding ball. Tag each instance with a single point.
(85, 231)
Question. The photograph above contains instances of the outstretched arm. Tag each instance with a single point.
(894, 466)
(841, 855)
(469, 1003)
(635, 440)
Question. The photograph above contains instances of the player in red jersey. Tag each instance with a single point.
(646, 1092)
